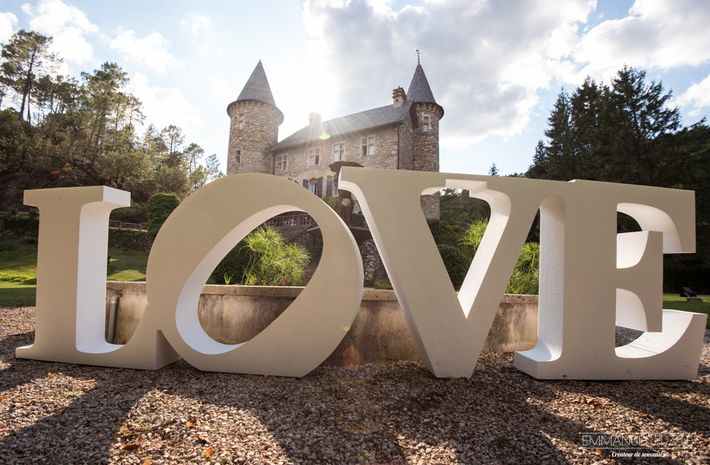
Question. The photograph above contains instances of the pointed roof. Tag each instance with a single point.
(419, 89)
(257, 87)
(257, 90)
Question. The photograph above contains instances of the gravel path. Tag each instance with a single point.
(398, 413)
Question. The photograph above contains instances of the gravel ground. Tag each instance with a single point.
(396, 413)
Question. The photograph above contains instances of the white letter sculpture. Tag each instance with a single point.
(589, 280)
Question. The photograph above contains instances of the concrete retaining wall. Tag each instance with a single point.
(234, 314)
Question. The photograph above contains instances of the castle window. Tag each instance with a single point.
(425, 124)
(238, 158)
(240, 121)
(368, 146)
(314, 157)
(338, 152)
(281, 162)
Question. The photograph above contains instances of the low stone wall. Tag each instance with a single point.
(235, 314)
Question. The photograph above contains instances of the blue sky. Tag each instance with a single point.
(496, 67)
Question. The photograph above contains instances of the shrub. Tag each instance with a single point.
(275, 262)
(136, 213)
(436, 230)
(455, 262)
(160, 206)
(231, 269)
(472, 237)
(129, 239)
(526, 277)
(14, 224)
(314, 247)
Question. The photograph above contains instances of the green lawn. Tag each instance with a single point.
(675, 302)
(18, 271)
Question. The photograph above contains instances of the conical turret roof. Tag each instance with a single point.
(419, 90)
(257, 87)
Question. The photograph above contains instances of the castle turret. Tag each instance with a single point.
(426, 135)
(425, 140)
(254, 127)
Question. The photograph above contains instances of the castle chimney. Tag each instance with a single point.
(314, 119)
(398, 97)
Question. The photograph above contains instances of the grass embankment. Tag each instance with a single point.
(18, 271)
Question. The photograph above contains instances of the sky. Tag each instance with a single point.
(496, 67)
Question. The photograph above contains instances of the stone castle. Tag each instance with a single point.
(403, 135)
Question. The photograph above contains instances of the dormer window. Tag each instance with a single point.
(425, 124)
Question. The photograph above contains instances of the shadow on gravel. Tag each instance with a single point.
(653, 399)
(10, 377)
(81, 431)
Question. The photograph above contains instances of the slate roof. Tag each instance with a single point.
(357, 122)
(419, 90)
(257, 87)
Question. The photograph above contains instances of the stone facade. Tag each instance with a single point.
(253, 131)
(309, 164)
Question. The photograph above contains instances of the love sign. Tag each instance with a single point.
(591, 278)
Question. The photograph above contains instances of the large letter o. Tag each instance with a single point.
(203, 229)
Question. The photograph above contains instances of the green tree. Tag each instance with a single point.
(102, 96)
(26, 58)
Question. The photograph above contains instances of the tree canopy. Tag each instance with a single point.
(625, 132)
(56, 131)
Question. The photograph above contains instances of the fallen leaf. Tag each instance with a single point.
(599, 452)
(189, 425)
(208, 452)
(147, 462)
(131, 446)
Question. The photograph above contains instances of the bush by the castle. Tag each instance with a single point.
(455, 262)
(160, 206)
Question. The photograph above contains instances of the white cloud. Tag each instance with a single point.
(657, 34)
(486, 60)
(197, 24)
(696, 97)
(163, 107)
(149, 51)
(8, 21)
(67, 25)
